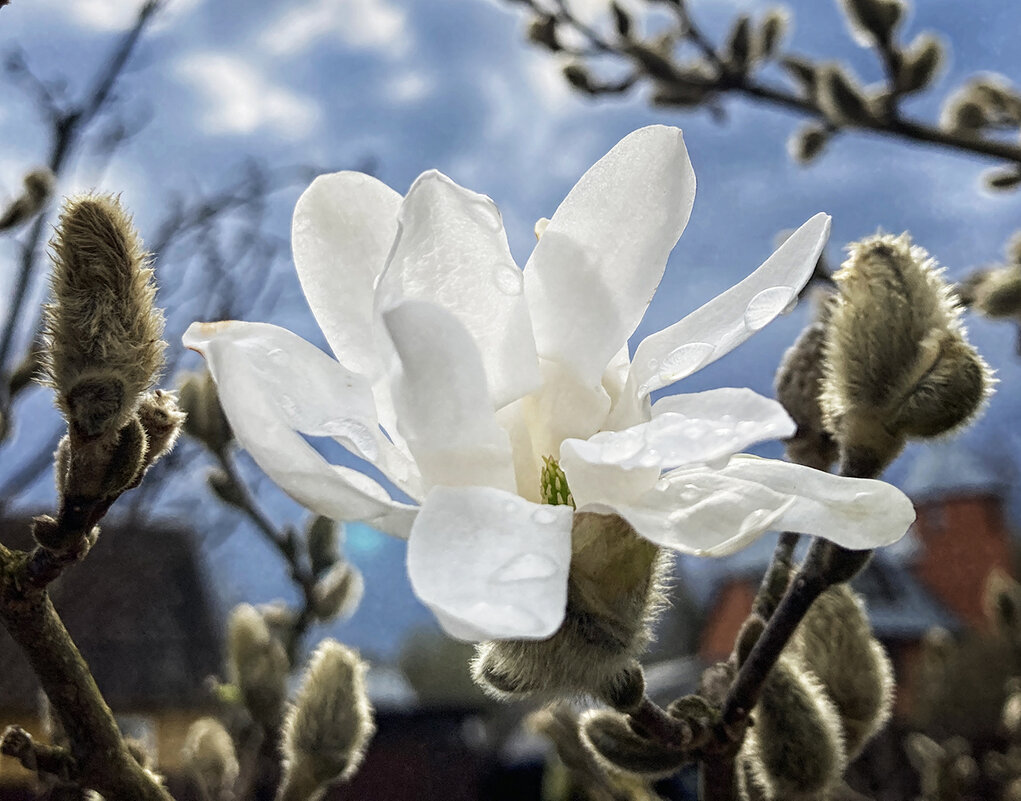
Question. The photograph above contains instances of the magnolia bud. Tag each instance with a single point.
(835, 642)
(798, 384)
(873, 21)
(794, 716)
(257, 664)
(321, 542)
(996, 293)
(162, 419)
(804, 72)
(1002, 179)
(920, 63)
(329, 725)
(737, 52)
(617, 747)
(770, 32)
(338, 593)
(225, 488)
(543, 31)
(209, 751)
(1001, 601)
(39, 186)
(840, 98)
(205, 420)
(897, 361)
(614, 594)
(103, 334)
(579, 78)
(805, 144)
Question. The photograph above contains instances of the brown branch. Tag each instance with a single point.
(95, 743)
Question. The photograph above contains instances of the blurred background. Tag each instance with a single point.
(209, 119)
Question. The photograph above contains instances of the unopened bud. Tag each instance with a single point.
(257, 664)
(162, 420)
(835, 642)
(543, 31)
(798, 385)
(770, 33)
(209, 752)
(205, 420)
(737, 52)
(329, 725)
(841, 99)
(1002, 179)
(225, 488)
(337, 594)
(920, 64)
(808, 142)
(621, 20)
(873, 21)
(1001, 601)
(321, 541)
(804, 73)
(614, 595)
(39, 186)
(103, 334)
(897, 361)
(794, 716)
(579, 78)
(617, 747)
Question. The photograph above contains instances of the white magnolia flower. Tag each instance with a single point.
(457, 372)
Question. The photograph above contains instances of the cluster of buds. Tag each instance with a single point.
(102, 355)
(897, 361)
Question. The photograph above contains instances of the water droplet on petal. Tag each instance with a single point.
(684, 361)
(689, 494)
(767, 305)
(650, 458)
(622, 446)
(277, 356)
(757, 521)
(526, 567)
(509, 279)
(544, 517)
(510, 507)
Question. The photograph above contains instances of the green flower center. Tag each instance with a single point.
(553, 484)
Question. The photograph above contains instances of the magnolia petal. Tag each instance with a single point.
(452, 250)
(716, 512)
(729, 319)
(491, 565)
(343, 227)
(600, 259)
(700, 428)
(443, 407)
(564, 407)
(270, 393)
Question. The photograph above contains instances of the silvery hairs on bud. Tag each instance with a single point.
(614, 595)
(39, 185)
(329, 725)
(103, 334)
(794, 748)
(209, 751)
(835, 642)
(898, 364)
(257, 664)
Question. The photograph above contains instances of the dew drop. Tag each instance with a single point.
(689, 494)
(684, 361)
(509, 279)
(277, 356)
(650, 458)
(510, 507)
(767, 305)
(544, 517)
(622, 446)
(526, 567)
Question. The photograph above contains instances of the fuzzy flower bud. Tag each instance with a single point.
(737, 53)
(770, 33)
(840, 97)
(205, 419)
(835, 642)
(209, 751)
(162, 420)
(897, 361)
(807, 143)
(794, 747)
(338, 593)
(38, 189)
(921, 63)
(329, 725)
(257, 664)
(798, 384)
(873, 21)
(321, 540)
(617, 748)
(997, 293)
(614, 594)
(103, 334)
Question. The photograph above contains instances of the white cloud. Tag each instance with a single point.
(409, 87)
(240, 99)
(363, 24)
(116, 15)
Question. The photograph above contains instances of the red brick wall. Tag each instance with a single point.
(729, 609)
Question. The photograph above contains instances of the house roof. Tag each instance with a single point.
(139, 610)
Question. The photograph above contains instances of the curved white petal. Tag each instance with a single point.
(343, 227)
(563, 407)
(716, 512)
(270, 393)
(491, 565)
(451, 249)
(601, 257)
(729, 319)
(443, 408)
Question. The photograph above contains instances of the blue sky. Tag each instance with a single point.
(450, 84)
